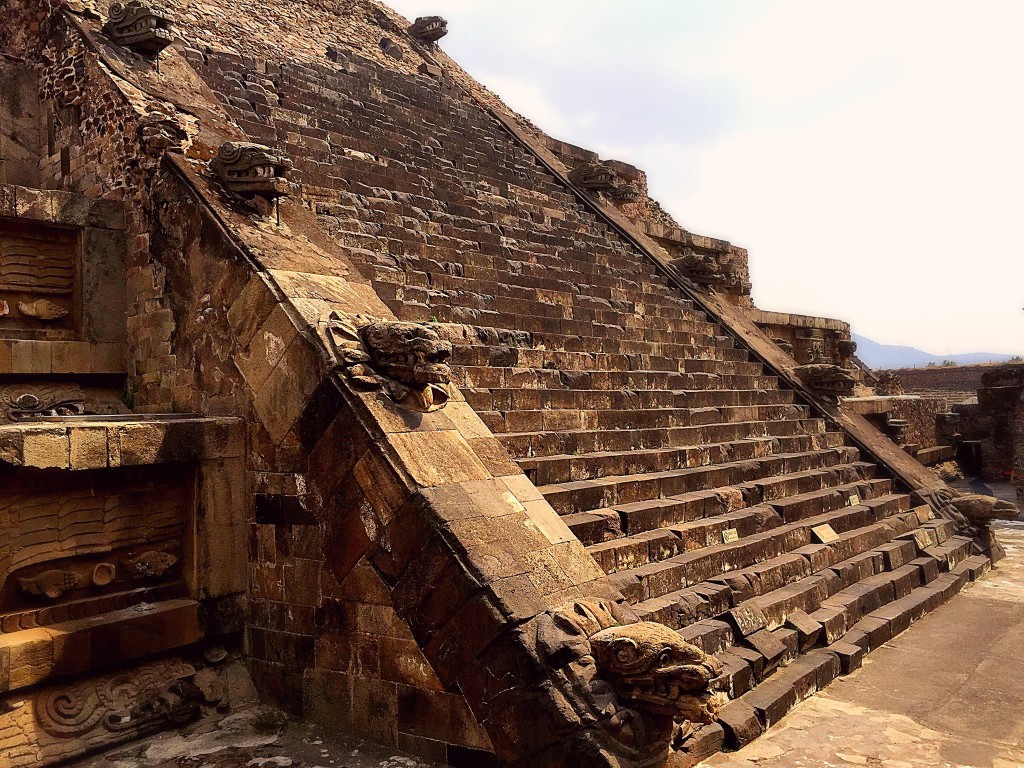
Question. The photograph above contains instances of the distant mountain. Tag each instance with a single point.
(890, 356)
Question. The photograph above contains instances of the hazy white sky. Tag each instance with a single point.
(870, 155)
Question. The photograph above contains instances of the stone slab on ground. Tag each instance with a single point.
(945, 693)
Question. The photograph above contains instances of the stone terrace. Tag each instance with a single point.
(692, 476)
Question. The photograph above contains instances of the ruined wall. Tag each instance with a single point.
(953, 383)
(997, 421)
(920, 417)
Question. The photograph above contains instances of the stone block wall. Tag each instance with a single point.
(954, 383)
(997, 421)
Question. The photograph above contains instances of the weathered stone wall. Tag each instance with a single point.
(20, 125)
(90, 144)
(920, 417)
(954, 382)
(998, 422)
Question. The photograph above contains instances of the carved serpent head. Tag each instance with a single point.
(829, 380)
(429, 29)
(654, 670)
(409, 361)
(141, 26)
(410, 353)
(252, 169)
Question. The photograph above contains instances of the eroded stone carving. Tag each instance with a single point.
(981, 510)
(160, 133)
(252, 169)
(128, 702)
(830, 381)
(43, 309)
(636, 682)
(702, 268)
(149, 565)
(429, 29)
(409, 361)
(654, 670)
(846, 349)
(784, 345)
(594, 177)
(36, 262)
(141, 26)
(28, 401)
(889, 384)
(50, 584)
(103, 574)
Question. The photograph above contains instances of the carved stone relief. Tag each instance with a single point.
(429, 29)
(830, 381)
(889, 384)
(66, 720)
(704, 268)
(23, 402)
(845, 350)
(252, 170)
(73, 536)
(38, 275)
(140, 26)
(639, 683)
(409, 361)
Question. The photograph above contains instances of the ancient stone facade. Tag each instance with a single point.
(460, 445)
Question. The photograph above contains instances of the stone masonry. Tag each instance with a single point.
(313, 353)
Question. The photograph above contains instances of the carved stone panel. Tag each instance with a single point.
(64, 721)
(77, 537)
(39, 278)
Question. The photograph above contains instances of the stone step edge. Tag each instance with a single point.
(745, 718)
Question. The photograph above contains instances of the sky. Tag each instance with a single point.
(869, 155)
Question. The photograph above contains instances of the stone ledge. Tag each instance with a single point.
(104, 443)
(765, 317)
(33, 655)
(62, 208)
(44, 357)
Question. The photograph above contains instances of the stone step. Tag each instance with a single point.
(492, 377)
(640, 517)
(655, 418)
(547, 470)
(625, 553)
(620, 490)
(761, 700)
(509, 399)
(579, 442)
(674, 358)
(691, 569)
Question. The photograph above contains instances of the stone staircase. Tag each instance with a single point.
(714, 499)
